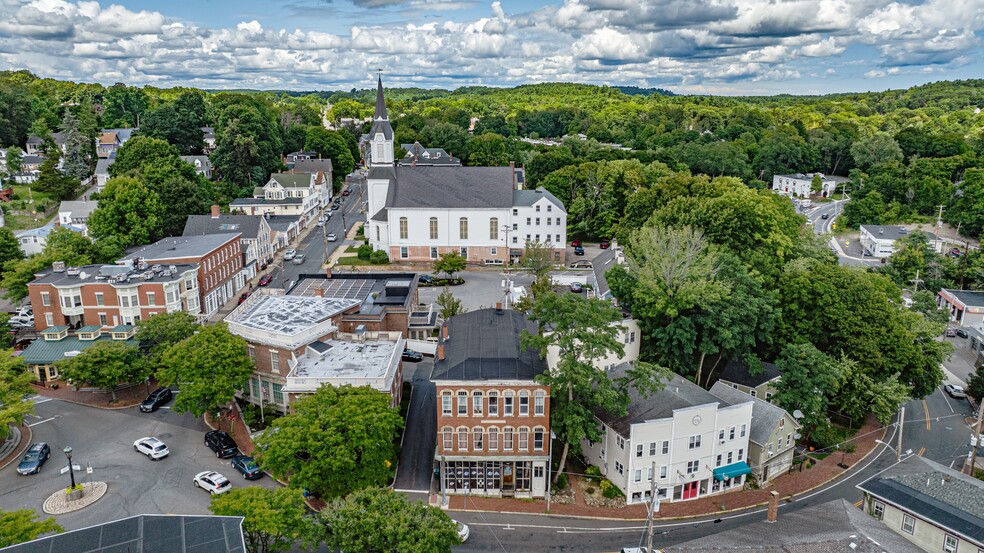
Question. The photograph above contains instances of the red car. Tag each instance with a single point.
(265, 279)
(575, 243)
(605, 243)
(346, 192)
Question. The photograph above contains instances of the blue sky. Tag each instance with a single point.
(724, 47)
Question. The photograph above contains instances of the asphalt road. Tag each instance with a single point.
(313, 246)
(103, 440)
(416, 468)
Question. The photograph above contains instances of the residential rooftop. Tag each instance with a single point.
(765, 416)
(175, 247)
(485, 345)
(737, 372)
(933, 492)
(530, 197)
(885, 232)
(78, 209)
(247, 225)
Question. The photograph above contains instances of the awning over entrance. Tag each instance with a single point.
(733, 470)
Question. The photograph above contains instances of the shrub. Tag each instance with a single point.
(561, 481)
(610, 490)
(365, 252)
(589, 490)
(593, 473)
(379, 257)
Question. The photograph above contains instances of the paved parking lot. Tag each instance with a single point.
(103, 440)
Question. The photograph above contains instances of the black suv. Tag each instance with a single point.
(35, 457)
(156, 398)
(221, 443)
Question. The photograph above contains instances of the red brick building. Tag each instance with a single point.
(220, 261)
(493, 418)
(112, 295)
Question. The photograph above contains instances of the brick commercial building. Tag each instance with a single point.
(255, 233)
(219, 258)
(112, 295)
(493, 418)
(296, 346)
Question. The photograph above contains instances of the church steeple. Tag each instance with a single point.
(380, 101)
(381, 134)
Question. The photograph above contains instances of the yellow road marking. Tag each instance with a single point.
(858, 502)
(921, 451)
(926, 408)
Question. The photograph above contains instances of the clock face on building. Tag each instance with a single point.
(696, 420)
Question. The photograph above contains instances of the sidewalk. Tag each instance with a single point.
(788, 485)
(125, 398)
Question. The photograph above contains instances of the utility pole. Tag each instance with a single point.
(939, 223)
(915, 282)
(651, 514)
(898, 448)
(977, 435)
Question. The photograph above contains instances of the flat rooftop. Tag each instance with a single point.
(287, 315)
(374, 291)
(114, 274)
(346, 360)
(175, 247)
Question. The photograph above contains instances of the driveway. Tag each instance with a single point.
(416, 466)
(103, 440)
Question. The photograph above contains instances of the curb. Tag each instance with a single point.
(16, 453)
(787, 498)
(107, 408)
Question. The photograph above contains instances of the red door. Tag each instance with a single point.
(690, 490)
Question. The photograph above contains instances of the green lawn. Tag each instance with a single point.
(352, 261)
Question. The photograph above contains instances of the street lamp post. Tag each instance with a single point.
(71, 471)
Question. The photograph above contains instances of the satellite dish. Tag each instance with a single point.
(83, 275)
(798, 414)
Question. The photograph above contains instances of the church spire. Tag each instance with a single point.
(380, 101)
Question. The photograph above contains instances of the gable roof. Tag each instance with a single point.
(677, 393)
(445, 187)
(765, 416)
(247, 225)
(292, 180)
(420, 155)
(833, 527)
(736, 371)
(145, 534)
(108, 137)
(599, 266)
(933, 492)
(203, 160)
(77, 208)
(313, 165)
(484, 345)
(530, 197)
(102, 166)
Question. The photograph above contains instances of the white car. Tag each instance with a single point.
(21, 322)
(289, 254)
(25, 311)
(151, 447)
(331, 237)
(212, 482)
(956, 391)
(463, 532)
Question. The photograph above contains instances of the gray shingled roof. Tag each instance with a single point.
(833, 527)
(77, 208)
(102, 166)
(263, 201)
(247, 225)
(450, 187)
(678, 393)
(147, 534)
(736, 371)
(765, 416)
(600, 265)
(181, 246)
(530, 197)
(970, 298)
(484, 345)
(292, 180)
(886, 232)
(933, 492)
(313, 165)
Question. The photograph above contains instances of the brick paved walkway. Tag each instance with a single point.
(126, 398)
(788, 485)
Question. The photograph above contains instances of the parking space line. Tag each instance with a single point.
(45, 420)
(947, 401)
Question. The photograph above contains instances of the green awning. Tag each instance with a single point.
(733, 470)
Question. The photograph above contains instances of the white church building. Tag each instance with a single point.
(418, 213)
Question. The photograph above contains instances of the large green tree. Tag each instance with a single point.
(247, 141)
(274, 520)
(77, 162)
(450, 264)
(809, 379)
(160, 332)
(209, 367)
(9, 248)
(128, 210)
(331, 145)
(24, 525)
(53, 181)
(334, 441)
(15, 386)
(379, 520)
(583, 331)
(878, 148)
(105, 365)
(14, 160)
(179, 123)
(123, 105)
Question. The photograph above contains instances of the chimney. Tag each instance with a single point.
(319, 292)
(773, 507)
(215, 212)
(444, 330)
(498, 307)
(440, 352)
(328, 273)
